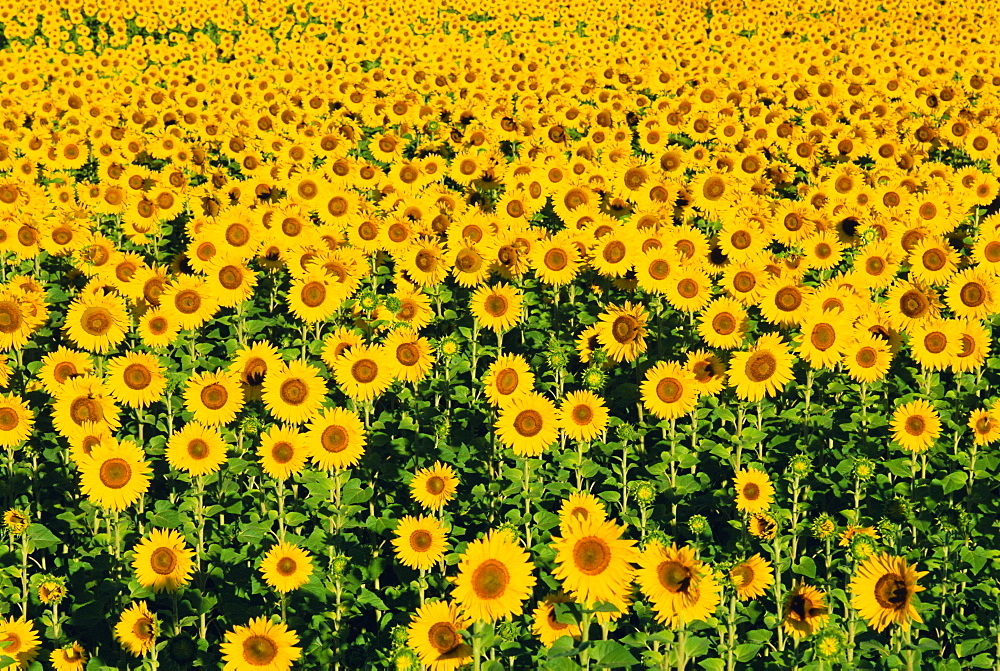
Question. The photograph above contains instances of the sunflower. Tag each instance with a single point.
(915, 425)
(494, 578)
(433, 487)
(70, 658)
(116, 475)
(935, 342)
(197, 449)
(763, 370)
(762, 525)
(689, 289)
(784, 302)
(805, 611)
(866, 357)
(615, 254)
(528, 424)
(507, 378)
(823, 338)
(411, 357)
(622, 331)
(883, 590)
(137, 629)
(282, 451)
(971, 294)
(974, 341)
(654, 268)
(252, 364)
(83, 399)
(97, 323)
(157, 328)
(583, 415)
(723, 323)
(313, 298)
(162, 561)
(556, 260)
(187, 299)
(593, 562)
(16, 420)
(363, 372)
(62, 365)
(669, 390)
(985, 426)
(286, 567)
(136, 379)
(336, 439)
(21, 640)
(751, 577)
(294, 393)
(754, 491)
(213, 397)
(260, 644)
(497, 307)
(910, 303)
(420, 542)
(933, 261)
(681, 588)
(708, 370)
(336, 344)
(546, 625)
(434, 635)
(744, 282)
(581, 506)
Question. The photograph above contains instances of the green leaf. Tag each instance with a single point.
(295, 519)
(611, 655)
(370, 598)
(39, 537)
(747, 651)
(806, 567)
(953, 481)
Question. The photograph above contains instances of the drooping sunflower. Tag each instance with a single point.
(723, 323)
(681, 588)
(136, 379)
(294, 393)
(116, 475)
(420, 542)
(915, 425)
(62, 365)
(282, 451)
(213, 397)
(137, 629)
(252, 364)
(763, 370)
(583, 415)
(669, 390)
(583, 506)
(433, 487)
(622, 331)
(363, 373)
(410, 357)
(546, 624)
(69, 658)
(805, 611)
(754, 491)
(260, 644)
(97, 323)
(974, 340)
(434, 635)
(751, 577)
(163, 561)
(16, 420)
(21, 640)
(593, 561)
(286, 567)
(883, 589)
(197, 449)
(866, 357)
(708, 370)
(494, 578)
(507, 378)
(497, 307)
(528, 424)
(336, 439)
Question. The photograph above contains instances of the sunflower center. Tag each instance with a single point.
(14, 642)
(984, 425)
(214, 396)
(137, 376)
(230, 277)
(313, 294)
(582, 415)
(687, 288)
(408, 354)
(742, 575)
(496, 306)
(468, 261)
(335, 439)
(913, 304)
(788, 299)
(968, 346)
(915, 425)
(364, 371)
(506, 381)
(891, 591)
(751, 491)
(935, 342)
(425, 261)
(674, 576)
(115, 473)
(822, 337)
(421, 540)
(286, 566)
(96, 321)
(972, 294)
(625, 329)
(144, 629)
(741, 239)
(992, 252)
(490, 579)
(259, 650)
(10, 317)
(724, 323)
(197, 449)
(187, 301)
(237, 235)
(659, 269)
(85, 409)
(158, 325)
(553, 622)
(8, 419)
(669, 390)
(934, 259)
(866, 357)
(714, 188)
(528, 423)
(443, 637)
(555, 259)
(435, 485)
(282, 452)
(761, 366)
(744, 281)
(294, 391)
(614, 251)
(163, 561)
(591, 555)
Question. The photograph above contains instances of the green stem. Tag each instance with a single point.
(584, 640)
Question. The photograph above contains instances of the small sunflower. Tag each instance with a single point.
(546, 625)
(583, 415)
(62, 365)
(162, 561)
(286, 567)
(252, 364)
(336, 438)
(915, 425)
(433, 487)
(294, 393)
(260, 644)
(434, 635)
(507, 378)
(985, 426)
(805, 611)
(582, 506)
(494, 578)
(197, 449)
(137, 629)
(213, 397)
(723, 324)
(282, 451)
(866, 356)
(528, 424)
(420, 542)
(754, 491)
(751, 577)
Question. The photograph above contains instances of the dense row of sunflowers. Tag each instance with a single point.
(518, 336)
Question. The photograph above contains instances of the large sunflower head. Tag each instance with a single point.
(337, 437)
(547, 624)
(751, 577)
(433, 487)
(162, 561)
(21, 640)
(593, 561)
(294, 393)
(763, 370)
(681, 588)
(116, 475)
(622, 331)
(363, 373)
(420, 542)
(669, 390)
(583, 415)
(805, 611)
(197, 449)
(915, 425)
(754, 491)
(883, 590)
(434, 633)
(136, 379)
(214, 397)
(282, 451)
(528, 424)
(494, 578)
(137, 629)
(261, 643)
(286, 567)
(507, 378)
(497, 307)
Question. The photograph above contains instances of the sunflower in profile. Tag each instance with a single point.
(985, 426)
(260, 644)
(69, 658)
(763, 370)
(433, 487)
(723, 324)
(669, 390)
(754, 491)
(162, 561)
(751, 577)
(62, 365)
(213, 397)
(581, 506)
(294, 393)
(494, 578)
(498, 307)
(16, 420)
(583, 415)
(434, 635)
(883, 590)
(136, 379)
(866, 356)
(197, 449)
(420, 542)
(286, 567)
(363, 373)
(116, 475)
(622, 331)
(507, 378)
(137, 629)
(97, 323)
(915, 425)
(974, 341)
(681, 588)
(252, 364)
(528, 425)
(593, 561)
(410, 357)
(336, 439)
(805, 611)
(21, 640)
(545, 623)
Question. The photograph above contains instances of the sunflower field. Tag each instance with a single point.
(499, 335)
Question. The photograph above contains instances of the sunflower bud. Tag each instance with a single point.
(863, 547)
(864, 469)
(338, 567)
(405, 659)
(829, 644)
(800, 465)
(644, 492)
(698, 525)
(594, 379)
(52, 590)
(823, 527)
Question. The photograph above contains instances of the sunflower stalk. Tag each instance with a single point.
(731, 638)
(24, 574)
(526, 481)
(777, 589)
(281, 510)
(585, 640)
(681, 651)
